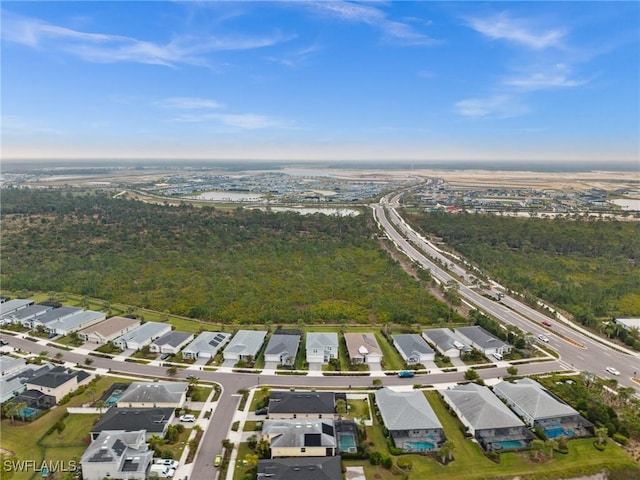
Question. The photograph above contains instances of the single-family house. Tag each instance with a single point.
(245, 344)
(51, 316)
(447, 342)
(58, 381)
(363, 347)
(486, 418)
(282, 349)
(171, 342)
(153, 395)
(307, 405)
(35, 399)
(143, 335)
(627, 322)
(413, 349)
(73, 323)
(487, 343)
(206, 345)
(412, 424)
(24, 314)
(153, 421)
(300, 468)
(108, 330)
(123, 455)
(300, 438)
(10, 365)
(321, 346)
(14, 383)
(12, 306)
(541, 409)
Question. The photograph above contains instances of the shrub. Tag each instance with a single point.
(387, 462)
(405, 463)
(621, 439)
(375, 458)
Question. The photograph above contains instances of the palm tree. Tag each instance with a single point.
(20, 406)
(601, 433)
(10, 411)
(100, 404)
(450, 448)
(551, 444)
(536, 447)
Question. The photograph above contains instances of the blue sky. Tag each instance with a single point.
(321, 80)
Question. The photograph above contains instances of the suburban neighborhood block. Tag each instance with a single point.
(447, 342)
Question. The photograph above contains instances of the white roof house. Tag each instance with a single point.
(363, 347)
(11, 306)
(154, 395)
(205, 345)
(50, 316)
(627, 322)
(73, 323)
(447, 342)
(244, 344)
(479, 338)
(282, 348)
(321, 346)
(171, 342)
(142, 335)
(413, 348)
(24, 314)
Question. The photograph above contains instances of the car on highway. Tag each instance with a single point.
(612, 371)
(187, 418)
(543, 338)
(405, 374)
(167, 462)
(546, 323)
(192, 377)
(218, 461)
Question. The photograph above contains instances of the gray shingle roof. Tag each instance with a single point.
(445, 339)
(280, 344)
(56, 376)
(302, 402)
(406, 410)
(207, 342)
(12, 305)
(300, 433)
(532, 398)
(481, 337)
(300, 468)
(27, 313)
(175, 339)
(412, 343)
(76, 321)
(246, 342)
(57, 313)
(143, 332)
(481, 408)
(321, 339)
(153, 392)
(152, 420)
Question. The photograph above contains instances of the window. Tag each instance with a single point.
(303, 450)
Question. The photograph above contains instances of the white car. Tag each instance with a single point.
(543, 338)
(167, 463)
(612, 371)
(187, 418)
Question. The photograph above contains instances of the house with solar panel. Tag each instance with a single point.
(300, 438)
(541, 409)
(487, 419)
(117, 455)
(206, 345)
(411, 422)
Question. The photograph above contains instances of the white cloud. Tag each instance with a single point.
(296, 58)
(245, 121)
(392, 31)
(503, 27)
(557, 76)
(496, 106)
(107, 48)
(188, 103)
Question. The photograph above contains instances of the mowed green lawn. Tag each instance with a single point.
(22, 439)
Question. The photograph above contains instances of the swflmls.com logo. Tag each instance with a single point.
(46, 466)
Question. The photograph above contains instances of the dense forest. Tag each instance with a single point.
(588, 267)
(239, 266)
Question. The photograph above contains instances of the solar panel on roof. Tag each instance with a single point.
(327, 429)
(119, 447)
(312, 440)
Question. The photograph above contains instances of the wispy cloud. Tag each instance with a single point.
(495, 106)
(245, 121)
(296, 58)
(108, 48)
(392, 31)
(519, 31)
(558, 76)
(14, 125)
(187, 103)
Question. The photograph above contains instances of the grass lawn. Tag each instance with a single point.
(69, 340)
(240, 470)
(252, 426)
(109, 348)
(258, 397)
(179, 445)
(391, 358)
(22, 438)
(357, 409)
(200, 394)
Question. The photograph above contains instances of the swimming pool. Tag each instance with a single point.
(559, 432)
(27, 412)
(419, 446)
(347, 443)
(113, 399)
(507, 445)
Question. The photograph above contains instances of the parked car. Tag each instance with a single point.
(543, 338)
(497, 356)
(612, 371)
(167, 462)
(164, 356)
(406, 374)
(192, 377)
(3, 342)
(262, 411)
(218, 461)
(187, 418)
